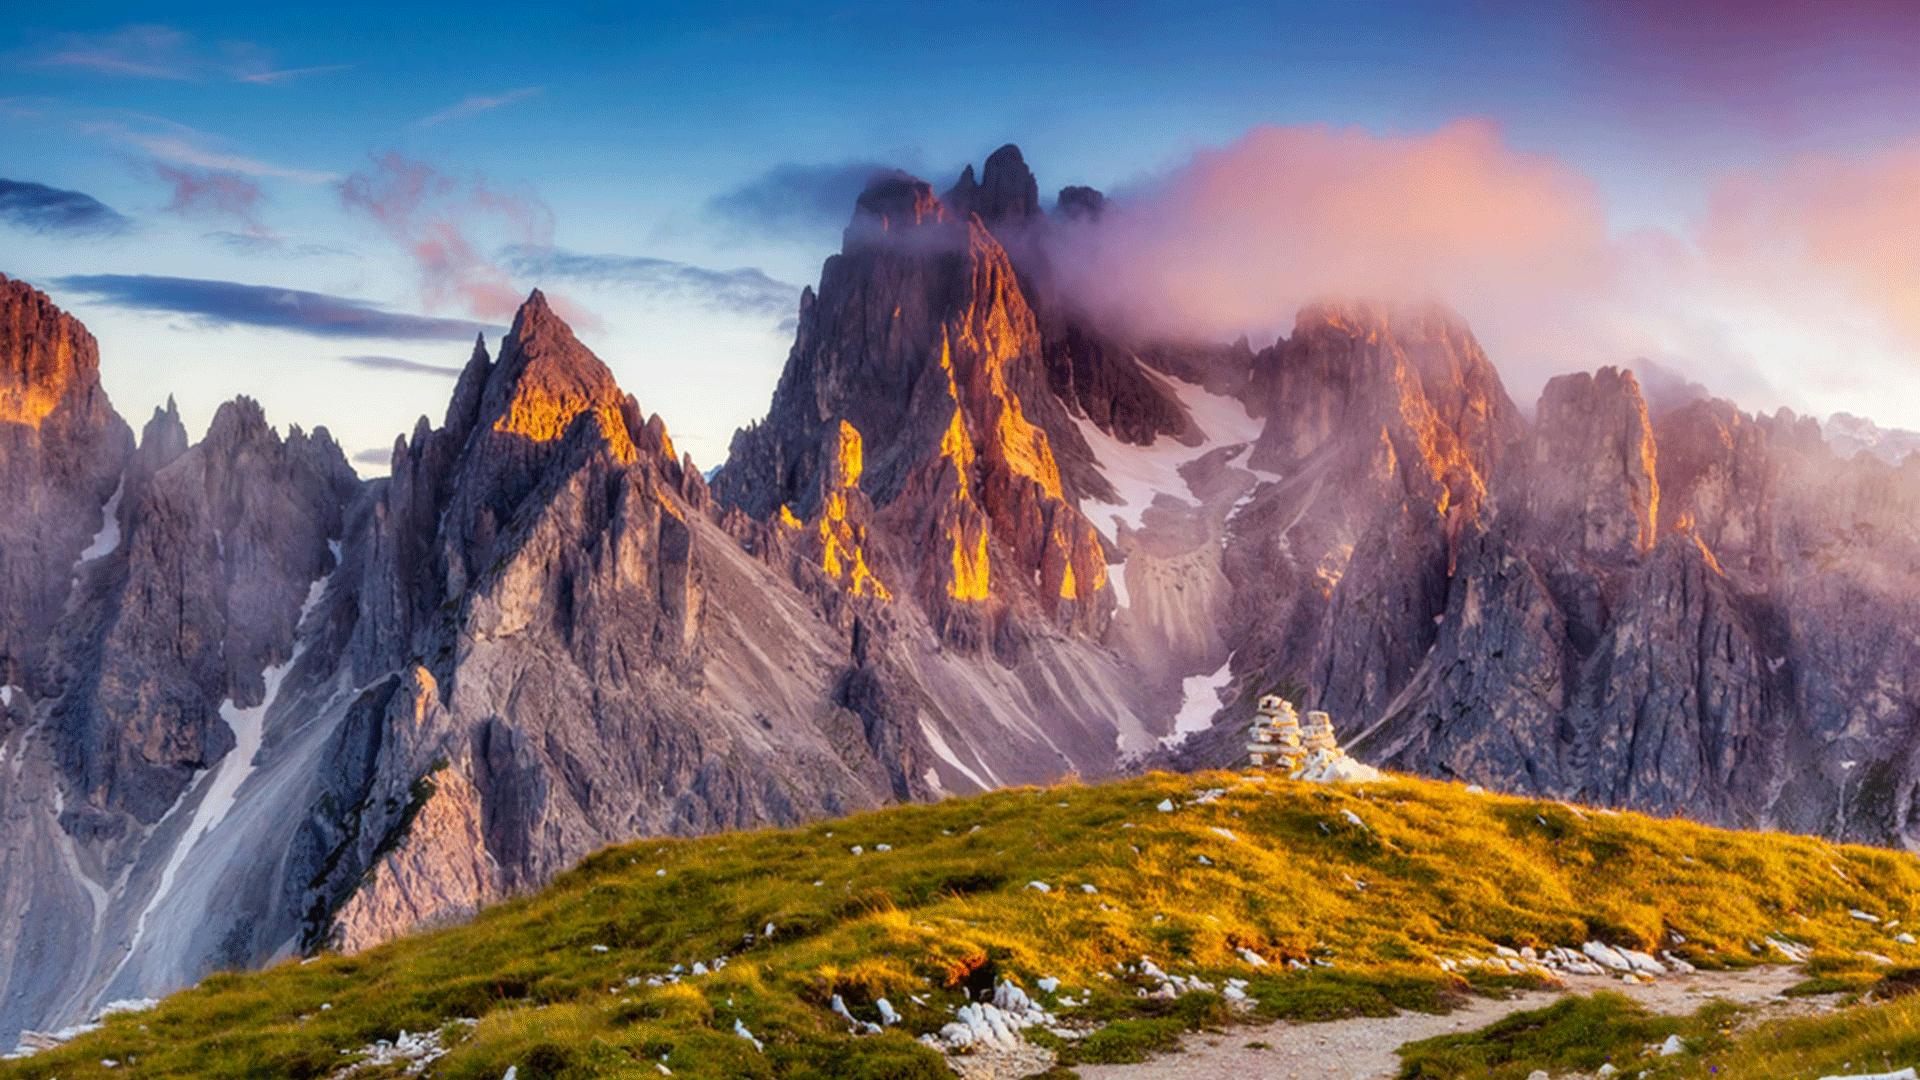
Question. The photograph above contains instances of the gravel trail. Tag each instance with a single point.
(1363, 1049)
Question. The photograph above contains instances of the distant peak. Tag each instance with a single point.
(895, 199)
(1080, 203)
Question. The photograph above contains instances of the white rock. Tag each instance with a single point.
(599, 948)
(1643, 963)
(1903, 938)
(857, 850)
(1041, 885)
(662, 1066)
(1898, 1074)
(888, 1017)
(740, 1029)
(1605, 954)
(1862, 916)
(1672, 1046)
(1228, 833)
(1086, 888)
(1165, 807)
(1606, 1069)
(1204, 861)
(512, 1072)
(1251, 957)
(1048, 984)
(1352, 817)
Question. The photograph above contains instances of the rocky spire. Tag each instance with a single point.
(545, 378)
(1006, 196)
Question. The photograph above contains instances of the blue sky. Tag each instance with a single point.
(676, 172)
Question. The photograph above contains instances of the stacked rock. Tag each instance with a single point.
(1319, 738)
(1276, 735)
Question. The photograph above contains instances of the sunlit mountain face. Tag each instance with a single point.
(421, 476)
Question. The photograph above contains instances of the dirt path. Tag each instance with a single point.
(1363, 1049)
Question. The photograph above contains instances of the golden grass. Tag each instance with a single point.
(1428, 870)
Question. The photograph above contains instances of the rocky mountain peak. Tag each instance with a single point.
(1080, 203)
(46, 356)
(1006, 194)
(545, 378)
(892, 203)
(163, 439)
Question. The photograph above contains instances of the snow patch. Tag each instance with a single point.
(1139, 474)
(108, 538)
(945, 753)
(1200, 700)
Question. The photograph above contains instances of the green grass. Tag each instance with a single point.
(1430, 871)
(1580, 1033)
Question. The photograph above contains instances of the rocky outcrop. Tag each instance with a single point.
(62, 450)
(922, 343)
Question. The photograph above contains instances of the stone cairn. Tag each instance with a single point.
(1275, 736)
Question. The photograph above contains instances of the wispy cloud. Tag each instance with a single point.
(183, 145)
(274, 78)
(43, 209)
(264, 245)
(795, 200)
(149, 51)
(213, 194)
(742, 291)
(142, 52)
(395, 363)
(232, 303)
(436, 219)
(479, 103)
(377, 456)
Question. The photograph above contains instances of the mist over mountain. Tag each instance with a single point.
(985, 534)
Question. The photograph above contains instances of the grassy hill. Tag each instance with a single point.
(1365, 887)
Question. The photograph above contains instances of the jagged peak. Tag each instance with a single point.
(545, 378)
(240, 419)
(1005, 195)
(164, 437)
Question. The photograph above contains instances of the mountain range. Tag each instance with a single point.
(255, 706)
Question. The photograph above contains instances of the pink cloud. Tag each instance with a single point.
(1799, 284)
(440, 222)
(1241, 236)
(213, 194)
(1824, 229)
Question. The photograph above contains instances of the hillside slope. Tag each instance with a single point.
(1352, 895)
